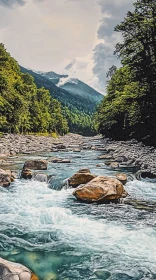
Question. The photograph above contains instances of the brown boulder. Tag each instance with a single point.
(12, 174)
(83, 176)
(12, 271)
(122, 178)
(37, 164)
(5, 178)
(26, 174)
(101, 189)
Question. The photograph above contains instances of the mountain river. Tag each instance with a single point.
(43, 226)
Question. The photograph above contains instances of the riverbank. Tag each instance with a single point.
(11, 144)
(116, 153)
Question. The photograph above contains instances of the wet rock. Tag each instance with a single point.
(103, 274)
(122, 178)
(76, 150)
(60, 147)
(38, 164)
(26, 174)
(101, 189)
(3, 155)
(5, 178)
(114, 165)
(83, 176)
(12, 174)
(59, 160)
(15, 271)
(105, 157)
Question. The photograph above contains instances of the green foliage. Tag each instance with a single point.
(129, 109)
(24, 107)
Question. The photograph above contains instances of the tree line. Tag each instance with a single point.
(24, 107)
(129, 108)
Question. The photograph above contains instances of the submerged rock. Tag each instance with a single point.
(40, 177)
(5, 178)
(59, 160)
(15, 271)
(37, 164)
(122, 178)
(83, 176)
(101, 189)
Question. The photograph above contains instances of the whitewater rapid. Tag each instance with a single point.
(60, 238)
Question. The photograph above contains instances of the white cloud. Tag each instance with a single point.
(73, 36)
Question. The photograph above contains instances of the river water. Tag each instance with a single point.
(43, 227)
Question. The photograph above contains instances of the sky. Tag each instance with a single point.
(73, 37)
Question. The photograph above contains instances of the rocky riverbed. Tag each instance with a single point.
(45, 226)
(116, 153)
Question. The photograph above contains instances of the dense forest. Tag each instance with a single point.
(23, 106)
(26, 106)
(129, 108)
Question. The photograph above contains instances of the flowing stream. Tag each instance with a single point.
(43, 227)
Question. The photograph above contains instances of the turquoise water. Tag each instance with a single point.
(43, 227)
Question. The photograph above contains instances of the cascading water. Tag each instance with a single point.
(43, 227)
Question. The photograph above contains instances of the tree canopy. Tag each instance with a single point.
(129, 109)
(23, 106)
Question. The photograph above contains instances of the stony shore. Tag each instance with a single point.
(116, 153)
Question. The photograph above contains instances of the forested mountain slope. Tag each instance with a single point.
(23, 106)
(74, 86)
(78, 109)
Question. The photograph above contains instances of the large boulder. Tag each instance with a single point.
(82, 177)
(101, 189)
(36, 164)
(5, 178)
(15, 271)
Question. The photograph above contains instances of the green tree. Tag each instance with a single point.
(129, 109)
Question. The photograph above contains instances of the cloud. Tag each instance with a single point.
(73, 37)
(70, 65)
(11, 3)
(113, 12)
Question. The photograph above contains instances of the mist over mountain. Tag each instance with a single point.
(79, 101)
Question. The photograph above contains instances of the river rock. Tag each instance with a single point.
(101, 189)
(26, 174)
(60, 147)
(105, 157)
(77, 150)
(83, 176)
(5, 178)
(122, 178)
(114, 165)
(59, 160)
(12, 174)
(37, 164)
(15, 271)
